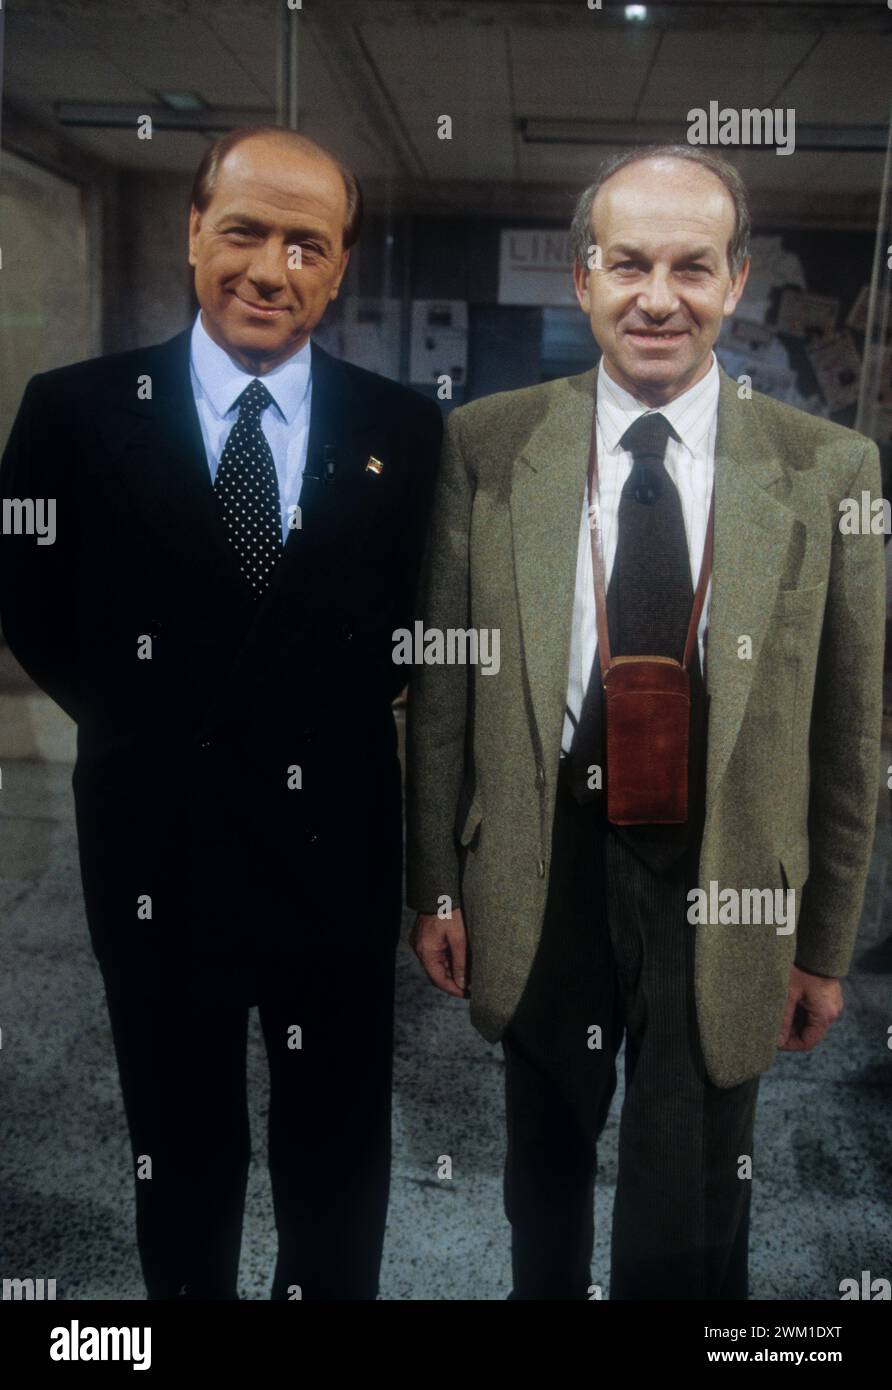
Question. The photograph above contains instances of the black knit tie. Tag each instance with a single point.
(652, 568)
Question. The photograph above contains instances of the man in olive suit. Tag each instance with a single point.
(573, 931)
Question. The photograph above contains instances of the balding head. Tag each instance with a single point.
(662, 285)
(206, 174)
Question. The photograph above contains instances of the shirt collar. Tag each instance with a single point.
(222, 380)
(690, 414)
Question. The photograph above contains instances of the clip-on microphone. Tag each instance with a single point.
(329, 466)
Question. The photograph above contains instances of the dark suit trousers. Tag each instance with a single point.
(181, 1052)
(617, 953)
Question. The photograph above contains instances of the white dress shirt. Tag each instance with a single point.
(217, 383)
(690, 464)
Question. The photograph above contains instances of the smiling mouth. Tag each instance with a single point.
(658, 337)
(269, 311)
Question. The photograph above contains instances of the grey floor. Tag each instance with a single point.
(821, 1192)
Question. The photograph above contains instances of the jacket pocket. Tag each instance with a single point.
(796, 603)
(798, 616)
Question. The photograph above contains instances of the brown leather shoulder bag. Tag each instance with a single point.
(647, 701)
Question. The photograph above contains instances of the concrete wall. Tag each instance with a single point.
(149, 295)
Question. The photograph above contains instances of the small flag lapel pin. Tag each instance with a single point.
(374, 465)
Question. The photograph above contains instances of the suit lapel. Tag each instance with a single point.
(338, 417)
(752, 535)
(159, 455)
(546, 502)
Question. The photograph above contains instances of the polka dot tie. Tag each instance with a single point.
(248, 491)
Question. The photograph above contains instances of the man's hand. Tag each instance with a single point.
(813, 1003)
(441, 944)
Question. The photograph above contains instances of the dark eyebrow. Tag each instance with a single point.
(703, 253)
(251, 224)
(623, 248)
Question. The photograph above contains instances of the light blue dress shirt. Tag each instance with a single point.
(217, 383)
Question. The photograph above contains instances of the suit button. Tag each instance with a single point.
(311, 837)
(540, 867)
(307, 735)
(347, 634)
(205, 744)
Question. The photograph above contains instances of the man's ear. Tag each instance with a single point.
(194, 229)
(735, 289)
(336, 288)
(581, 275)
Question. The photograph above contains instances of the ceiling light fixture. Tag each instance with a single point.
(183, 101)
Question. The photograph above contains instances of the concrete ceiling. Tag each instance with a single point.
(374, 76)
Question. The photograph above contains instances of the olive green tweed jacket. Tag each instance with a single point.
(794, 728)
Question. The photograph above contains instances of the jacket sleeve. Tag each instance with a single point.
(37, 581)
(845, 742)
(438, 695)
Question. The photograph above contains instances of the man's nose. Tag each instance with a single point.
(658, 299)
(267, 265)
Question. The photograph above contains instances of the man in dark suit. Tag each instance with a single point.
(239, 524)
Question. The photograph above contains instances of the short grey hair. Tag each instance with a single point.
(738, 246)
